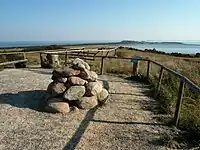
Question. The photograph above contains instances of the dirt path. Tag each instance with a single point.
(125, 122)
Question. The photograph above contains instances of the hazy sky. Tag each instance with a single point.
(75, 20)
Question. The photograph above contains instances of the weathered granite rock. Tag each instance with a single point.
(84, 74)
(50, 60)
(80, 64)
(74, 109)
(56, 88)
(66, 72)
(103, 95)
(76, 81)
(93, 88)
(88, 75)
(88, 102)
(58, 78)
(74, 93)
(93, 76)
(74, 89)
(56, 105)
(58, 71)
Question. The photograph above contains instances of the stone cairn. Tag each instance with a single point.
(74, 87)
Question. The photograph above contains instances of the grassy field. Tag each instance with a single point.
(189, 67)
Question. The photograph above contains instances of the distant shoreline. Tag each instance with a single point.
(10, 45)
(172, 48)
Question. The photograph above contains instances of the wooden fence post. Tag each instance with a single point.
(24, 54)
(179, 103)
(159, 81)
(148, 69)
(66, 58)
(41, 59)
(102, 53)
(102, 65)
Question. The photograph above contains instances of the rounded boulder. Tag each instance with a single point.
(76, 81)
(56, 88)
(58, 78)
(74, 93)
(88, 75)
(68, 72)
(80, 64)
(93, 88)
(103, 95)
(88, 102)
(56, 105)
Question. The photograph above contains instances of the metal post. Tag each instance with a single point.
(136, 68)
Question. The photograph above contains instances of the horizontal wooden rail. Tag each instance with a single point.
(85, 58)
(184, 81)
(11, 53)
(13, 62)
(82, 54)
(188, 83)
(70, 51)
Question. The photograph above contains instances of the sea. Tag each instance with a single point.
(168, 48)
(189, 47)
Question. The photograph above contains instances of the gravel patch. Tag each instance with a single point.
(125, 122)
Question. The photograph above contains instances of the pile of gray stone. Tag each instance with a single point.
(75, 87)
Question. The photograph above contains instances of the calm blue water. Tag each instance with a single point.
(191, 46)
(38, 43)
(169, 48)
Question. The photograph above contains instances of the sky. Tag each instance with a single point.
(99, 20)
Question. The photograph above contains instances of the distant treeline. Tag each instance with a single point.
(33, 48)
(41, 48)
(147, 42)
(161, 52)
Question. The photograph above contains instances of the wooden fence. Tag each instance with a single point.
(184, 81)
(15, 61)
(85, 54)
